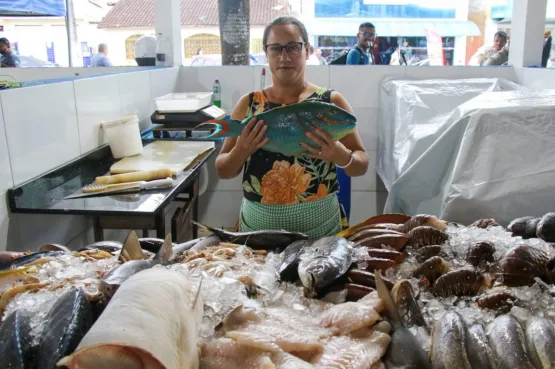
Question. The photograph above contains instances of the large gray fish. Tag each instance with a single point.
(67, 322)
(508, 343)
(540, 340)
(404, 351)
(265, 240)
(15, 342)
(111, 282)
(288, 269)
(449, 341)
(478, 350)
(323, 262)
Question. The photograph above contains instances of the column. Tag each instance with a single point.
(167, 21)
(527, 27)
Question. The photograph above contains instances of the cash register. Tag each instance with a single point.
(182, 112)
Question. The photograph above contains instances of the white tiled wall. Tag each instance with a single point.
(359, 85)
(45, 126)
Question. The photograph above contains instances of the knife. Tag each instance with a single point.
(100, 190)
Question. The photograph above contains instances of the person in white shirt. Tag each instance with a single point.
(312, 59)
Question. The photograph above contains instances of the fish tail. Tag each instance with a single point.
(385, 295)
(224, 127)
(197, 294)
(215, 231)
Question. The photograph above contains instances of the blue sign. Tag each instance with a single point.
(55, 8)
(371, 10)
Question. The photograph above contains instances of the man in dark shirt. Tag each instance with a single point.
(366, 35)
(8, 58)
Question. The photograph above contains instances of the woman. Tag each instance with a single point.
(282, 192)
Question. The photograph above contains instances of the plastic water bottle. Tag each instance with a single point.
(161, 51)
(217, 97)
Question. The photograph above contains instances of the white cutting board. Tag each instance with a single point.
(176, 155)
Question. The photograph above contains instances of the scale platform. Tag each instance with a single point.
(166, 122)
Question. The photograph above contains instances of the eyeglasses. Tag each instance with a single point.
(292, 48)
(368, 34)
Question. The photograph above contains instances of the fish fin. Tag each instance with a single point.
(197, 294)
(166, 251)
(385, 295)
(132, 247)
(224, 127)
(215, 231)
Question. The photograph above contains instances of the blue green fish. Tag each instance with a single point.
(287, 125)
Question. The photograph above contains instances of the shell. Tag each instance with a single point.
(404, 297)
(372, 264)
(395, 241)
(425, 236)
(396, 256)
(365, 278)
(395, 219)
(520, 265)
(426, 252)
(432, 269)
(366, 233)
(479, 252)
(462, 282)
(424, 220)
(484, 223)
(501, 301)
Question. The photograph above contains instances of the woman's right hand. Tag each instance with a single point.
(251, 138)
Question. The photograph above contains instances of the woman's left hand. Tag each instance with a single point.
(330, 149)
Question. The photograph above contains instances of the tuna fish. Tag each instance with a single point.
(288, 125)
(15, 342)
(540, 340)
(404, 351)
(323, 262)
(111, 282)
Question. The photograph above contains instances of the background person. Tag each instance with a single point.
(8, 58)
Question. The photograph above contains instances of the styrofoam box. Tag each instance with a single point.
(183, 102)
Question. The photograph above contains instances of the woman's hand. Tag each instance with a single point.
(251, 138)
(329, 148)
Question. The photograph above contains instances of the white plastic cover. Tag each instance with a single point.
(414, 114)
(495, 158)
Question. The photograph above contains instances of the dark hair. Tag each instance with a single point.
(4, 41)
(501, 34)
(365, 25)
(285, 21)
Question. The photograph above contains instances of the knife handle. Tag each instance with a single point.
(147, 175)
(168, 182)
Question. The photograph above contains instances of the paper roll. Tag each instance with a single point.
(148, 175)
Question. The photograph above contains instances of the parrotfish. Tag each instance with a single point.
(288, 125)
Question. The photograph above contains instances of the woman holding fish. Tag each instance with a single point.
(294, 138)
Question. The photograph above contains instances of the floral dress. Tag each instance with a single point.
(276, 179)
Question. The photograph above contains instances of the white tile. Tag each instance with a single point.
(507, 72)
(36, 230)
(6, 178)
(537, 78)
(367, 182)
(135, 96)
(365, 205)
(367, 126)
(220, 208)
(97, 100)
(163, 81)
(439, 72)
(236, 81)
(360, 84)
(41, 127)
(318, 75)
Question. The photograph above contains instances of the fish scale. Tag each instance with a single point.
(287, 125)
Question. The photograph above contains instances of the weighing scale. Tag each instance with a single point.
(167, 120)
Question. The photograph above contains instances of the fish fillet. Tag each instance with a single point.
(149, 323)
(348, 317)
(225, 353)
(344, 352)
(283, 360)
(276, 329)
(374, 301)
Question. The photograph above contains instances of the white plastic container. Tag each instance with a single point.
(183, 102)
(124, 136)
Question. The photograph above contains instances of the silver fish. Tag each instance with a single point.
(449, 340)
(507, 341)
(540, 340)
(111, 282)
(324, 261)
(478, 350)
(404, 351)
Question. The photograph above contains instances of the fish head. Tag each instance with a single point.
(117, 276)
(108, 289)
(316, 273)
